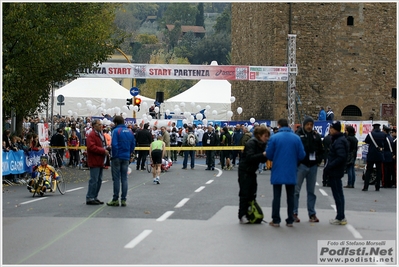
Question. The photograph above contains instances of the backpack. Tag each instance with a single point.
(173, 138)
(255, 214)
(191, 139)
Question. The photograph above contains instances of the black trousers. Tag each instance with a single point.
(142, 158)
(369, 169)
(388, 179)
(248, 187)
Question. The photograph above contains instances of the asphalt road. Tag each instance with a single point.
(190, 218)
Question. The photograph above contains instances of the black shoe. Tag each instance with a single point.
(92, 202)
(99, 201)
(364, 189)
(377, 189)
(213, 168)
(137, 168)
(208, 169)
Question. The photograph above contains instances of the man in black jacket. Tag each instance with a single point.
(335, 169)
(143, 139)
(57, 140)
(210, 138)
(388, 163)
(375, 156)
(307, 168)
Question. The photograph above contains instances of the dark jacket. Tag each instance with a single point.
(352, 149)
(95, 150)
(237, 135)
(252, 156)
(213, 139)
(312, 143)
(57, 140)
(388, 154)
(245, 137)
(374, 154)
(337, 157)
(123, 142)
(143, 138)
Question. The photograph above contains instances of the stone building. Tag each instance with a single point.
(345, 52)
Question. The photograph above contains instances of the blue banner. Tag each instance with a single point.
(17, 162)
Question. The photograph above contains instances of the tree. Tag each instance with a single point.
(199, 19)
(186, 46)
(45, 43)
(183, 12)
(223, 22)
(215, 47)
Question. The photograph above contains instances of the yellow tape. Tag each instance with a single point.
(173, 148)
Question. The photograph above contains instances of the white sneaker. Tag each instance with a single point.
(244, 220)
(338, 222)
(156, 180)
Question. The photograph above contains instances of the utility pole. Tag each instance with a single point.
(292, 72)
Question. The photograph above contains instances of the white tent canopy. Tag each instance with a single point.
(94, 96)
(213, 93)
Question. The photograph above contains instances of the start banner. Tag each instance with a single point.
(186, 72)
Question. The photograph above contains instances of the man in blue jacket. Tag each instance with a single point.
(286, 150)
(123, 145)
(335, 169)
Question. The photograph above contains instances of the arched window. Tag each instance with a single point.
(349, 21)
(351, 110)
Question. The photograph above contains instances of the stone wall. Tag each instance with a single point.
(338, 64)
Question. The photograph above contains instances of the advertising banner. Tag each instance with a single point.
(17, 162)
(259, 73)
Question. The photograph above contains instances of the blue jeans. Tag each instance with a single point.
(192, 155)
(96, 175)
(310, 174)
(351, 174)
(290, 189)
(119, 175)
(338, 194)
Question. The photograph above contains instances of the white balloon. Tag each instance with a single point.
(205, 121)
(93, 107)
(229, 114)
(252, 120)
(156, 109)
(250, 127)
(182, 104)
(103, 105)
(239, 110)
(232, 99)
(167, 112)
(214, 112)
(79, 105)
(129, 170)
(149, 117)
(191, 118)
(109, 100)
(207, 107)
(103, 100)
(187, 114)
(192, 104)
(131, 107)
(198, 107)
(70, 112)
(177, 111)
(124, 115)
(184, 121)
(199, 116)
(125, 109)
(117, 110)
(75, 114)
(144, 116)
(176, 106)
(88, 102)
(144, 104)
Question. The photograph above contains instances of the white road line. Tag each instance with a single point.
(138, 239)
(182, 202)
(70, 190)
(354, 232)
(324, 193)
(317, 183)
(165, 216)
(33, 200)
(209, 182)
(219, 172)
(199, 189)
(334, 207)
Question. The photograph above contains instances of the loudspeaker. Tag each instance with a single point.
(159, 97)
(394, 93)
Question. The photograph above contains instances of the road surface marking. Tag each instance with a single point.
(209, 182)
(219, 172)
(199, 189)
(138, 239)
(182, 202)
(334, 207)
(323, 192)
(354, 232)
(317, 183)
(34, 200)
(70, 190)
(165, 216)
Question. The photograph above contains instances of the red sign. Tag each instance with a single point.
(388, 110)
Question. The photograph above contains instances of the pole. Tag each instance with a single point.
(134, 80)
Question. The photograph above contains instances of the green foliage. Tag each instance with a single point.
(215, 47)
(223, 22)
(147, 39)
(47, 42)
(183, 12)
(199, 19)
(187, 46)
